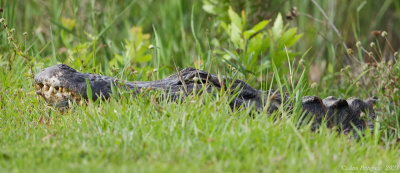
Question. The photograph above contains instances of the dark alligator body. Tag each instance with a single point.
(59, 85)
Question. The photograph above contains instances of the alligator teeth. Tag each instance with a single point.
(46, 87)
(51, 90)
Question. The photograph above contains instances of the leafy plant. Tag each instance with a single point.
(68, 25)
(136, 49)
(257, 45)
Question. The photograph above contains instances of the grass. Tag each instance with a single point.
(129, 135)
(202, 134)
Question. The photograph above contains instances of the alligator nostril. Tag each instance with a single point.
(56, 88)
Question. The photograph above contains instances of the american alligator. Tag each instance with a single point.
(60, 85)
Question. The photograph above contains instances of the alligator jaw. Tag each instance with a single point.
(57, 96)
(53, 85)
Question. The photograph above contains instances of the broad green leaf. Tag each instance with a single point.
(256, 29)
(278, 26)
(254, 45)
(141, 50)
(258, 44)
(117, 59)
(235, 36)
(227, 57)
(235, 19)
(294, 40)
(287, 38)
(138, 36)
(209, 8)
(225, 27)
(215, 42)
(232, 55)
(287, 35)
(144, 58)
(266, 63)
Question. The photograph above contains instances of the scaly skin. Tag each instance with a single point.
(59, 85)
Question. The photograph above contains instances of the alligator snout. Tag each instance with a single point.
(57, 96)
(54, 86)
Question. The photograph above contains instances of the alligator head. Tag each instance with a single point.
(61, 84)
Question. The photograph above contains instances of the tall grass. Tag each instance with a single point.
(202, 134)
